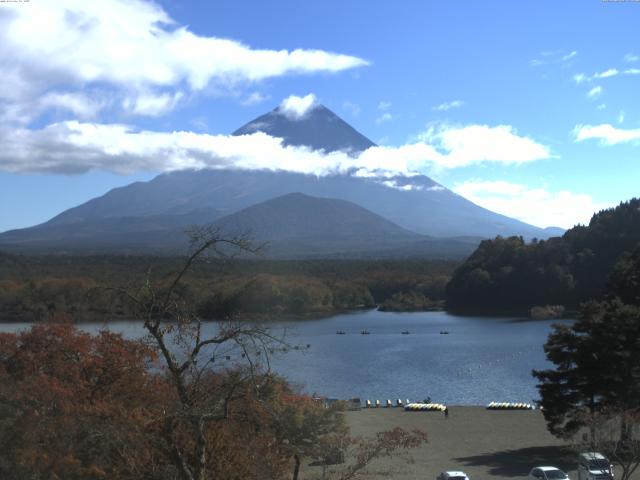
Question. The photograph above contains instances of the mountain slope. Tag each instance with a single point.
(301, 226)
(296, 215)
(320, 129)
(132, 216)
(427, 208)
(291, 226)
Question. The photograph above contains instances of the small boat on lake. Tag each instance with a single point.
(341, 332)
(364, 332)
(406, 332)
(444, 332)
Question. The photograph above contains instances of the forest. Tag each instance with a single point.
(508, 275)
(85, 288)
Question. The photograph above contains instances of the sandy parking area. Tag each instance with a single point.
(483, 443)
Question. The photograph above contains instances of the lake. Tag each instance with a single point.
(480, 360)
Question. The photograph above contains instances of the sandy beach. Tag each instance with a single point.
(482, 443)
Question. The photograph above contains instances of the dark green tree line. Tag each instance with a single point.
(510, 274)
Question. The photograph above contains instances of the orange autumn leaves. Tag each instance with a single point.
(73, 405)
(76, 406)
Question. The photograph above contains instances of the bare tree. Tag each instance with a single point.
(190, 351)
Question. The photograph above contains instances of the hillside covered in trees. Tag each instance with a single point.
(38, 288)
(510, 275)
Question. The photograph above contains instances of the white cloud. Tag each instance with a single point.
(384, 106)
(443, 107)
(612, 72)
(406, 187)
(537, 206)
(134, 48)
(606, 133)
(296, 108)
(602, 106)
(553, 57)
(621, 117)
(151, 104)
(385, 117)
(254, 98)
(463, 146)
(595, 92)
(78, 103)
(580, 78)
(83, 105)
(631, 57)
(632, 71)
(75, 147)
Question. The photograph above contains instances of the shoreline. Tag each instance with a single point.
(266, 318)
(317, 315)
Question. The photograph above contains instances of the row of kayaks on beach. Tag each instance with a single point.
(378, 404)
(413, 407)
(425, 407)
(439, 407)
(510, 406)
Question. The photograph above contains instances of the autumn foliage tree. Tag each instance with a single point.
(76, 406)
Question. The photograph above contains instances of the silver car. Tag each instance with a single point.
(547, 473)
(452, 475)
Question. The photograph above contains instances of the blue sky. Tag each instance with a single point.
(529, 108)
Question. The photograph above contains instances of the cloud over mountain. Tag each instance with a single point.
(295, 108)
(76, 147)
(536, 206)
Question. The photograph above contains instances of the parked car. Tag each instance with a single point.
(547, 473)
(452, 475)
(594, 466)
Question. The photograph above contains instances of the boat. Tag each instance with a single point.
(444, 332)
(341, 332)
(406, 332)
(364, 332)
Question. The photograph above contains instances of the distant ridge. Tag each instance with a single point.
(301, 226)
(290, 226)
(296, 215)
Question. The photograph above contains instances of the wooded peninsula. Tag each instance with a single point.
(85, 288)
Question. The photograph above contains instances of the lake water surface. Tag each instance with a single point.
(480, 360)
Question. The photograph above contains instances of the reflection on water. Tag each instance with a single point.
(480, 360)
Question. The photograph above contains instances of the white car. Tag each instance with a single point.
(452, 475)
(547, 473)
(594, 466)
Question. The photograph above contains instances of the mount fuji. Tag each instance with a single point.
(408, 215)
